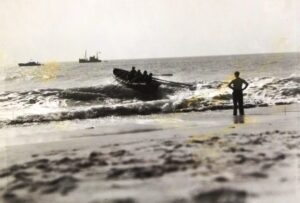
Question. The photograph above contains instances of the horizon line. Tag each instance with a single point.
(173, 57)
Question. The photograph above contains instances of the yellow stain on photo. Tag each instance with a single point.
(48, 71)
(44, 73)
(213, 150)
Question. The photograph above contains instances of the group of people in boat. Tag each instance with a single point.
(138, 76)
(238, 85)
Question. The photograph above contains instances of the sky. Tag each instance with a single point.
(61, 30)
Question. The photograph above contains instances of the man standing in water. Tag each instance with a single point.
(237, 86)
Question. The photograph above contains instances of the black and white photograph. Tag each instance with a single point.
(149, 101)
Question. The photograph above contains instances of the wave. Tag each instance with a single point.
(115, 100)
(117, 92)
(99, 93)
(140, 108)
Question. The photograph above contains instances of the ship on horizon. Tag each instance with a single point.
(91, 59)
(30, 63)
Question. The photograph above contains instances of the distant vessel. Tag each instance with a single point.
(31, 63)
(91, 59)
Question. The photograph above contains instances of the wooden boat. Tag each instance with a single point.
(122, 77)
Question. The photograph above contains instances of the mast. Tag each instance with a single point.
(85, 55)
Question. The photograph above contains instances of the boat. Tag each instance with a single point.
(122, 77)
(91, 59)
(31, 63)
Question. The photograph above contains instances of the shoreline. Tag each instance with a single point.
(206, 159)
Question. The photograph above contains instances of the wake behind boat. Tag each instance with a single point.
(122, 76)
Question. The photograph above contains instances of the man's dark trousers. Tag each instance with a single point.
(237, 96)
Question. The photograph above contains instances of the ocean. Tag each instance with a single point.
(65, 96)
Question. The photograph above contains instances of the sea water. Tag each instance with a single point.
(34, 99)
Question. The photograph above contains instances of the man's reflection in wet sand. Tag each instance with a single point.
(238, 119)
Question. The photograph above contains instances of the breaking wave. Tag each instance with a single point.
(115, 100)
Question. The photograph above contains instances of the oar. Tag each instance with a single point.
(174, 83)
(164, 74)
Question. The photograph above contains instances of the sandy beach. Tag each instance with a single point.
(215, 158)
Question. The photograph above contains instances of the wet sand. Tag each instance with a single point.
(250, 159)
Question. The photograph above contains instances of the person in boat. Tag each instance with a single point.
(145, 76)
(138, 77)
(132, 73)
(237, 95)
(149, 78)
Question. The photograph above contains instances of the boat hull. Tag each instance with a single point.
(29, 64)
(88, 61)
(122, 75)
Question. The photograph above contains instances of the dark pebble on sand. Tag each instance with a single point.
(94, 155)
(15, 168)
(145, 172)
(84, 164)
(32, 101)
(118, 200)
(178, 146)
(44, 167)
(115, 173)
(63, 184)
(221, 179)
(234, 149)
(9, 195)
(64, 160)
(179, 161)
(295, 136)
(261, 154)
(22, 175)
(19, 185)
(198, 141)
(258, 141)
(102, 163)
(221, 196)
(267, 166)
(37, 161)
(118, 153)
(214, 139)
(142, 172)
(257, 175)
(279, 157)
(5, 173)
(133, 161)
(231, 149)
